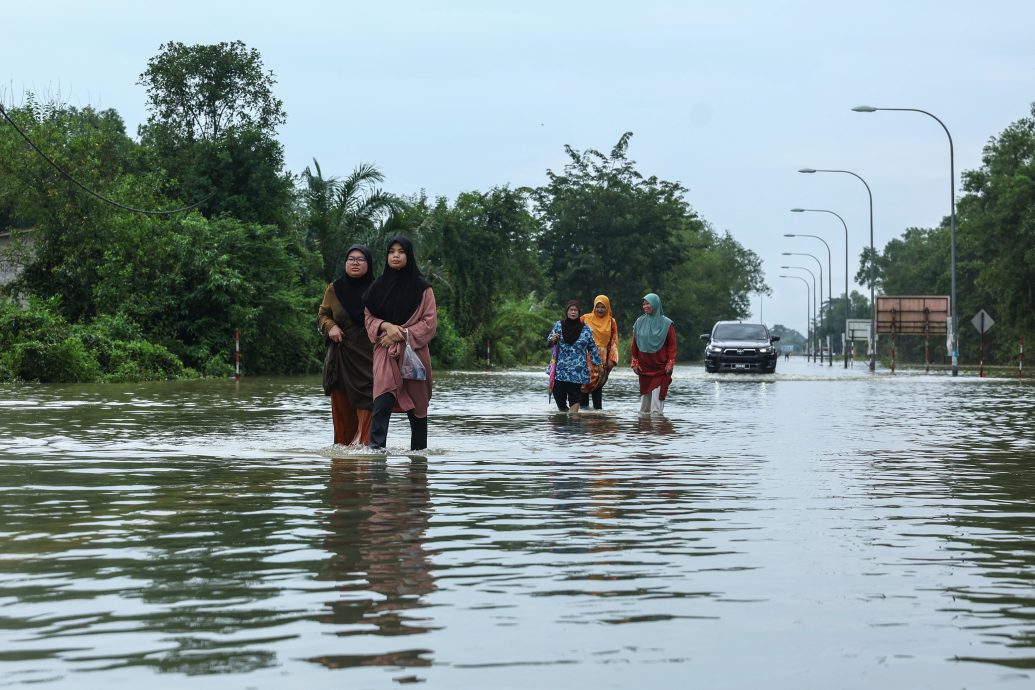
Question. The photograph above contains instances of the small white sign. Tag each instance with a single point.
(858, 329)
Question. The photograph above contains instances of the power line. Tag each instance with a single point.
(86, 189)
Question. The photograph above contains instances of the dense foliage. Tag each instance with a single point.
(212, 131)
(38, 344)
(185, 282)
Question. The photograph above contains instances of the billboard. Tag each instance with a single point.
(912, 314)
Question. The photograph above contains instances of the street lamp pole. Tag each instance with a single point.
(819, 311)
(807, 305)
(830, 292)
(815, 336)
(873, 257)
(847, 313)
(953, 342)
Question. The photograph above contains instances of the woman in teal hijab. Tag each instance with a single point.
(653, 354)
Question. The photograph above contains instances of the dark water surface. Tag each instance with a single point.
(813, 529)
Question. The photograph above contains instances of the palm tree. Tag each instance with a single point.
(342, 212)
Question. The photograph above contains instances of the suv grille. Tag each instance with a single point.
(740, 352)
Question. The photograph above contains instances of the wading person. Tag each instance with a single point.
(653, 355)
(348, 367)
(400, 307)
(575, 350)
(605, 335)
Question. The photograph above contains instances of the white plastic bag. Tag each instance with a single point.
(410, 365)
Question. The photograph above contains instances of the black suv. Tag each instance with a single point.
(738, 346)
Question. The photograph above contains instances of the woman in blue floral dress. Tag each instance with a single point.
(575, 350)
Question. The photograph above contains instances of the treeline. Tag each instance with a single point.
(112, 293)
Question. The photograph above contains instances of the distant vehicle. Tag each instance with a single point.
(739, 346)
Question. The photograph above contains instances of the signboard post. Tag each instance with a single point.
(982, 322)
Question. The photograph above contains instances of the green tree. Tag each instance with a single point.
(488, 254)
(996, 240)
(211, 127)
(203, 92)
(606, 225)
(917, 263)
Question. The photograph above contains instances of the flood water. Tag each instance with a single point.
(815, 528)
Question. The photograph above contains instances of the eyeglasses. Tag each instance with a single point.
(355, 260)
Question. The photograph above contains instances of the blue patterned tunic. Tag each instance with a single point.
(572, 365)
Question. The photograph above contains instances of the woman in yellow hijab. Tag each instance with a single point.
(605, 334)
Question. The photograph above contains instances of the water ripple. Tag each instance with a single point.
(827, 520)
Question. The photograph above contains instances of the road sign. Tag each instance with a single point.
(857, 329)
(912, 314)
(982, 321)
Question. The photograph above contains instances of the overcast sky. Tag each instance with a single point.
(730, 99)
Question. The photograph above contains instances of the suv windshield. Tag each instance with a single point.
(740, 331)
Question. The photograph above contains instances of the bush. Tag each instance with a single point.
(518, 332)
(37, 344)
(202, 279)
(67, 361)
(139, 360)
(448, 349)
(37, 321)
(218, 368)
(118, 327)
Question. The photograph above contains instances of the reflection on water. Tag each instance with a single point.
(378, 561)
(843, 529)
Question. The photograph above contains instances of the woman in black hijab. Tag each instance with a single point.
(400, 305)
(575, 350)
(349, 364)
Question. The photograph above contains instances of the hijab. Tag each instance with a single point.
(651, 329)
(349, 290)
(396, 294)
(571, 329)
(600, 325)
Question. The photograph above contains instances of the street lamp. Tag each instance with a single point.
(953, 343)
(847, 314)
(813, 276)
(873, 257)
(830, 289)
(819, 338)
(806, 311)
